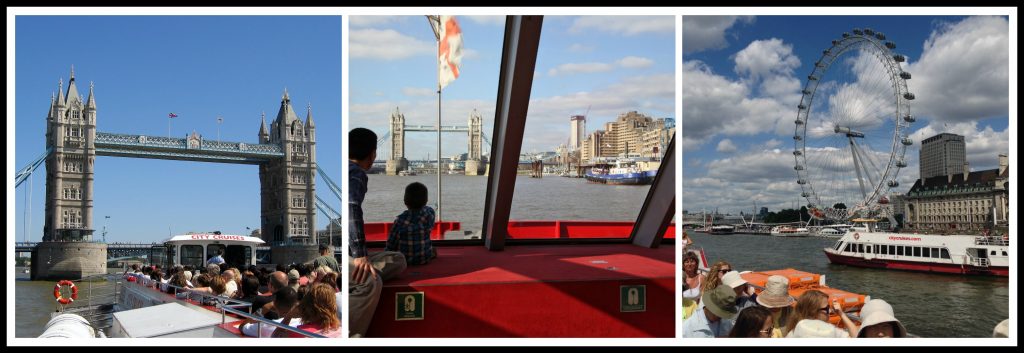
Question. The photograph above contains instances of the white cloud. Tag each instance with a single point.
(708, 32)
(580, 68)
(386, 44)
(487, 20)
(963, 72)
(629, 62)
(419, 92)
(580, 48)
(370, 20)
(624, 25)
(764, 58)
(726, 146)
(635, 62)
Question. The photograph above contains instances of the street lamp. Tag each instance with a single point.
(219, 120)
(105, 228)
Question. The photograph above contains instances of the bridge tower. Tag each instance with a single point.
(396, 161)
(474, 160)
(68, 227)
(287, 206)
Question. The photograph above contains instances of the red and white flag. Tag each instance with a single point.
(449, 51)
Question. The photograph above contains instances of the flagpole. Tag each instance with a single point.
(437, 33)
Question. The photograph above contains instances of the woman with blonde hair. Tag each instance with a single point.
(814, 305)
(714, 277)
(318, 311)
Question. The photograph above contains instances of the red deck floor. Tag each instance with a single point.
(534, 291)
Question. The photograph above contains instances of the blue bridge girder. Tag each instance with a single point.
(158, 147)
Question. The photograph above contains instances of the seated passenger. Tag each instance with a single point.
(318, 311)
(285, 300)
(410, 234)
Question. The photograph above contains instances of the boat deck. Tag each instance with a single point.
(535, 291)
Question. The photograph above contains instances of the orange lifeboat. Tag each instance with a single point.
(800, 282)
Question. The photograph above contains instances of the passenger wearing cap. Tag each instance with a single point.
(744, 293)
(812, 328)
(293, 279)
(775, 297)
(878, 321)
(715, 319)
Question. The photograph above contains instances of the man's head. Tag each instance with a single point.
(415, 196)
(362, 147)
(285, 299)
(278, 280)
(325, 249)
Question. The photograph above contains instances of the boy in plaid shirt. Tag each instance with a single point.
(410, 234)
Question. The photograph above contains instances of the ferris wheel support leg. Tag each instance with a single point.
(856, 166)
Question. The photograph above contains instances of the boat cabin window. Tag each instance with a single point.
(935, 253)
(869, 249)
(847, 249)
(899, 250)
(839, 245)
(885, 250)
(917, 251)
(945, 253)
(238, 256)
(993, 252)
(192, 255)
(1004, 253)
(927, 252)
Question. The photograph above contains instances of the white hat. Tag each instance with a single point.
(811, 328)
(733, 279)
(1002, 330)
(877, 311)
(775, 293)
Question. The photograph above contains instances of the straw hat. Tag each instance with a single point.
(733, 279)
(877, 311)
(810, 328)
(721, 301)
(776, 293)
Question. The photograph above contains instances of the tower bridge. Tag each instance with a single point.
(396, 161)
(285, 154)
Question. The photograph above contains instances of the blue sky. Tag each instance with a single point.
(612, 64)
(198, 67)
(742, 78)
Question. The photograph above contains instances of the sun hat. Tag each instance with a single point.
(877, 311)
(733, 279)
(776, 293)
(811, 328)
(1002, 330)
(721, 301)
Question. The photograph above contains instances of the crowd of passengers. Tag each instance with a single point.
(721, 303)
(305, 296)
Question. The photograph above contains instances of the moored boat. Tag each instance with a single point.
(787, 231)
(863, 246)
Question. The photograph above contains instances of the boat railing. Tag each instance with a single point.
(991, 241)
(98, 293)
(260, 321)
(189, 294)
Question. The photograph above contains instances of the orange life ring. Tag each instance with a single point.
(61, 299)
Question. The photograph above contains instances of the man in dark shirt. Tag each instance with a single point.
(367, 271)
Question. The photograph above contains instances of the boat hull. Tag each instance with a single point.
(620, 179)
(917, 266)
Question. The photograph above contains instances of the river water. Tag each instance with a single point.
(548, 198)
(929, 305)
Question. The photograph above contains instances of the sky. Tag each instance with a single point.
(198, 67)
(607, 64)
(742, 78)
